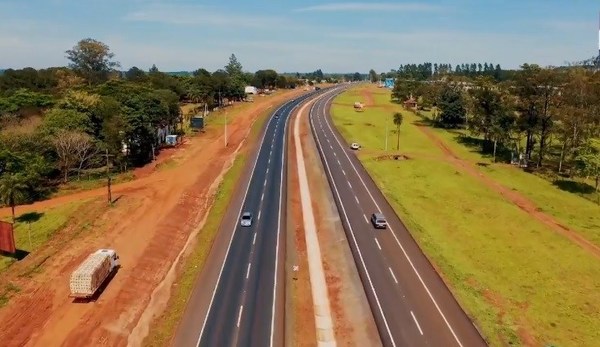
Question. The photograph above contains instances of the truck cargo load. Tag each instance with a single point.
(94, 270)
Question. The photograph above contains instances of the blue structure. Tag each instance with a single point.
(389, 83)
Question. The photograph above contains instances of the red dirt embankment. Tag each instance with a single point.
(148, 227)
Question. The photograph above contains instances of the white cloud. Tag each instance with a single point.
(194, 15)
(370, 6)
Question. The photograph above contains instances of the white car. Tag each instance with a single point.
(355, 146)
(246, 220)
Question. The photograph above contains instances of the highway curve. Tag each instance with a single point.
(238, 299)
(411, 304)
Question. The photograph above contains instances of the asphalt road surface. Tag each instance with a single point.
(238, 299)
(411, 304)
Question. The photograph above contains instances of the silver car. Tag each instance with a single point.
(378, 221)
(246, 220)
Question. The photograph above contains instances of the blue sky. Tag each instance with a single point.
(300, 35)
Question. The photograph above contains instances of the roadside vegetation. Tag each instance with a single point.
(520, 281)
(166, 326)
(545, 120)
(32, 231)
(64, 125)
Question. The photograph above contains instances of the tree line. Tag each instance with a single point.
(428, 71)
(549, 117)
(56, 122)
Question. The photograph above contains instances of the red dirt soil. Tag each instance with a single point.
(303, 330)
(516, 198)
(148, 227)
(368, 96)
(353, 322)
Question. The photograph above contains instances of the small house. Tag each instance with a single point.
(411, 103)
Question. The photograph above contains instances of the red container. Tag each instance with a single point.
(7, 238)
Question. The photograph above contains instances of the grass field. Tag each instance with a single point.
(165, 327)
(522, 283)
(32, 230)
(42, 226)
(579, 214)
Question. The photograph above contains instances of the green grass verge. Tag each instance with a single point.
(513, 275)
(165, 327)
(42, 227)
(577, 212)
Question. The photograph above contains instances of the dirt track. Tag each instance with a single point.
(516, 198)
(148, 227)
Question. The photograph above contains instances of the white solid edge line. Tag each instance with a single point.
(235, 228)
(398, 241)
(416, 322)
(240, 315)
(362, 261)
(392, 273)
(377, 242)
(248, 271)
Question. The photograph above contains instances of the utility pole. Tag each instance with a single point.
(108, 178)
(225, 128)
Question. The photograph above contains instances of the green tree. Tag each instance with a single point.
(64, 119)
(265, 78)
(403, 89)
(13, 187)
(492, 116)
(234, 67)
(135, 75)
(373, 77)
(588, 161)
(92, 59)
(452, 106)
(20, 177)
(398, 118)
(153, 69)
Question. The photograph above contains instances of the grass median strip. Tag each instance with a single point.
(522, 283)
(165, 326)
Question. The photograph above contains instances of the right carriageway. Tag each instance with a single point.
(411, 304)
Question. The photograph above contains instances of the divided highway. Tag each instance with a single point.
(411, 304)
(238, 299)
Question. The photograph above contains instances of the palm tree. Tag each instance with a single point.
(398, 122)
(12, 191)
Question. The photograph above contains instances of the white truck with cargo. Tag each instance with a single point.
(92, 273)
